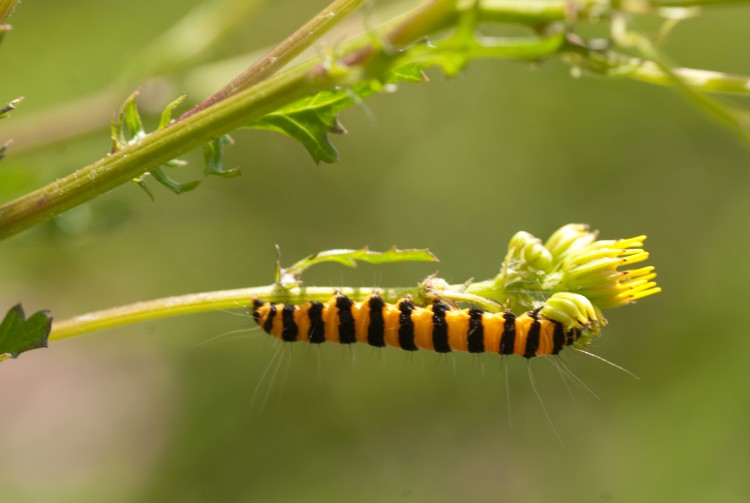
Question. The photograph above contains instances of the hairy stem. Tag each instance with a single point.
(156, 149)
(270, 94)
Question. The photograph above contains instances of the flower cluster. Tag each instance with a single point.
(597, 269)
(573, 276)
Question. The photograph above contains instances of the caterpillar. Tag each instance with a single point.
(437, 327)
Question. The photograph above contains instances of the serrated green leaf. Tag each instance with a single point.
(142, 184)
(127, 126)
(410, 72)
(213, 155)
(166, 114)
(171, 184)
(389, 256)
(19, 334)
(290, 276)
(311, 120)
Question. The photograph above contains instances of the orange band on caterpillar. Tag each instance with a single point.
(437, 327)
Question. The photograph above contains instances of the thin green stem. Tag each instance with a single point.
(6, 9)
(615, 64)
(208, 301)
(683, 3)
(702, 80)
(241, 298)
(190, 40)
(283, 53)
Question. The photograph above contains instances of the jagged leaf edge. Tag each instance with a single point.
(25, 333)
(310, 120)
(289, 276)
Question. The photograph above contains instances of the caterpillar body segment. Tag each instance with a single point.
(437, 327)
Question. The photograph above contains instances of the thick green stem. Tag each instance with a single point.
(224, 117)
(269, 95)
(158, 148)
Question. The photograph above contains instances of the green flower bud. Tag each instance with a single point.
(568, 239)
(527, 252)
(573, 310)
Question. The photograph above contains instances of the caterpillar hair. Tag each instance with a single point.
(437, 327)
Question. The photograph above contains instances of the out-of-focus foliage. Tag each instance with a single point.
(165, 411)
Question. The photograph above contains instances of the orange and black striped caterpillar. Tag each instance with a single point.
(437, 327)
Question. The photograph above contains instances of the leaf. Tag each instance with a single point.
(410, 73)
(127, 127)
(212, 156)
(173, 185)
(310, 120)
(166, 114)
(289, 277)
(18, 334)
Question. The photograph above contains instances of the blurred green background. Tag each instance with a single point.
(164, 411)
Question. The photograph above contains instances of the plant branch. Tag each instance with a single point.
(356, 65)
(156, 149)
(241, 298)
(570, 266)
(283, 53)
(6, 9)
(169, 143)
(190, 40)
(207, 301)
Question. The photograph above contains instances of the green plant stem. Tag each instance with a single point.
(158, 148)
(169, 143)
(283, 53)
(208, 301)
(241, 298)
(702, 80)
(190, 40)
(271, 94)
(494, 294)
(6, 9)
